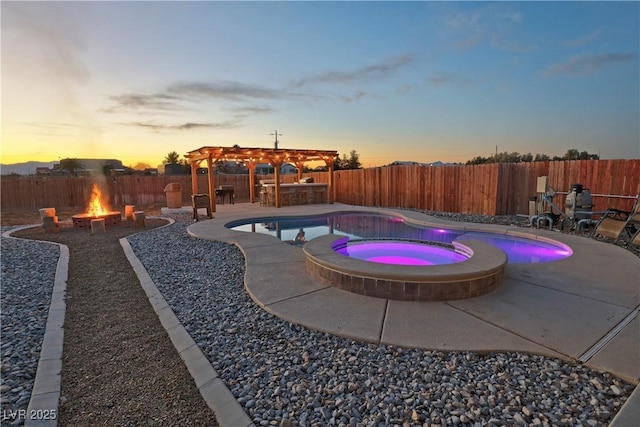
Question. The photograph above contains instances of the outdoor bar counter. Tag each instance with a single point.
(294, 194)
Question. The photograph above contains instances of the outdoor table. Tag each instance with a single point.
(225, 191)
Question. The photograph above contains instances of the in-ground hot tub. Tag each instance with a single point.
(467, 270)
(400, 252)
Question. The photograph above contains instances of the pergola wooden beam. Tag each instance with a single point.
(252, 156)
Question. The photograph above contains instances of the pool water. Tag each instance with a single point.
(400, 253)
(377, 226)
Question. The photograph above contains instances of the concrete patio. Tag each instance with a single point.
(582, 308)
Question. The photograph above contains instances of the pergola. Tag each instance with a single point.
(251, 157)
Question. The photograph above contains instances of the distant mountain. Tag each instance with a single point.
(25, 168)
(404, 163)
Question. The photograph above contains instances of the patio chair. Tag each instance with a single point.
(618, 224)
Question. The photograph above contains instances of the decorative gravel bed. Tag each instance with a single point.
(286, 375)
(28, 272)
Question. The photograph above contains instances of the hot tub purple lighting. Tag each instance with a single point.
(522, 250)
(407, 270)
(400, 253)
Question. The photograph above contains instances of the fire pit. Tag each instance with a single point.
(84, 220)
(97, 210)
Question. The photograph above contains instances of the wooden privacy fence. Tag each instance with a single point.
(494, 189)
(36, 192)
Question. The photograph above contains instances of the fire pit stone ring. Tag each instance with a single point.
(84, 220)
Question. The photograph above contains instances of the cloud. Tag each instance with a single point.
(584, 40)
(251, 109)
(174, 95)
(177, 96)
(357, 95)
(233, 91)
(503, 42)
(379, 70)
(464, 19)
(136, 101)
(583, 65)
(441, 79)
(245, 99)
(497, 23)
(469, 42)
(182, 127)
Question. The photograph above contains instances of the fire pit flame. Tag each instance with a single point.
(95, 204)
(96, 210)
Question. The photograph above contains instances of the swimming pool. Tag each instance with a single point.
(359, 225)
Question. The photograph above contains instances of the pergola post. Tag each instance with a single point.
(331, 187)
(251, 165)
(329, 161)
(300, 167)
(277, 164)
(194, 176)
(212, 183)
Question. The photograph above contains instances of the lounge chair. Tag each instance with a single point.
(619, 225)
(635, 240)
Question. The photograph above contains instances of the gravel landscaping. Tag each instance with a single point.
(284, 374)
(119, 366)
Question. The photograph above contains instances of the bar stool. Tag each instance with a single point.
(264, 198)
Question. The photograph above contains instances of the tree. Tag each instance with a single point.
(71, 165)
(140, 166)
(515, 157)
(572, 154)
(478, 160)
(354, 160)
(172, 158)
(586, 156)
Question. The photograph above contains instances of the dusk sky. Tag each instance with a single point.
(420, 81)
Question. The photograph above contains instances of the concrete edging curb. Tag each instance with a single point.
(45, 395)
